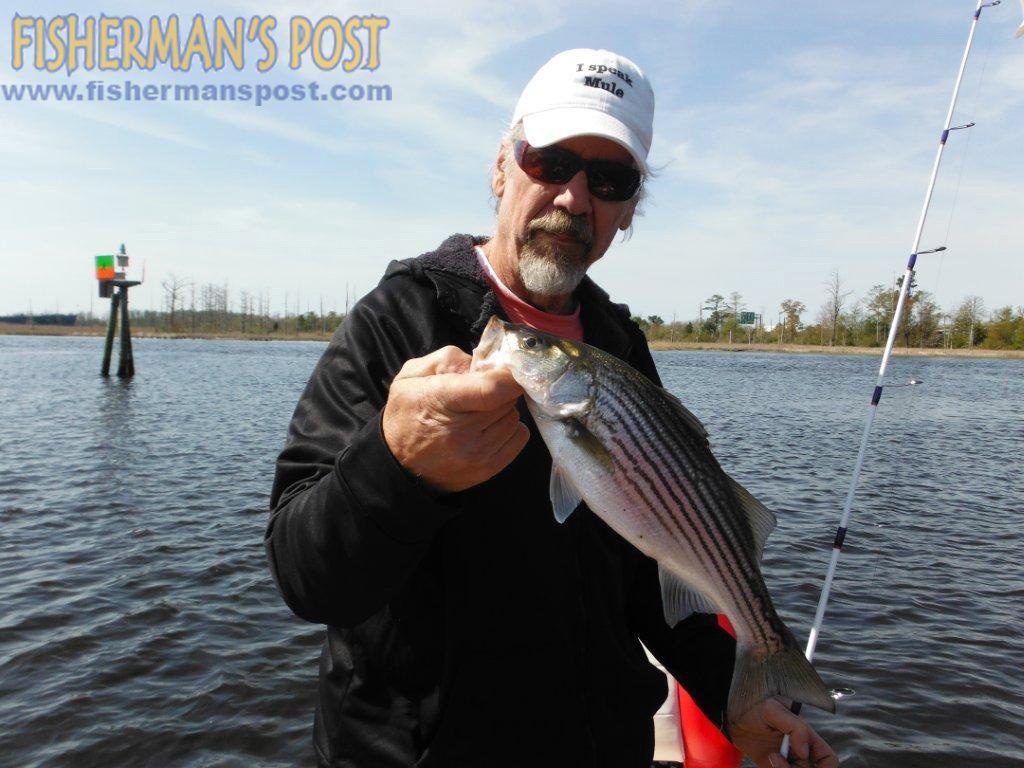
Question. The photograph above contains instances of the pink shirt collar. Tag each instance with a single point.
(518, 311)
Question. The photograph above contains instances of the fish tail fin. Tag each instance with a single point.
(786, 673)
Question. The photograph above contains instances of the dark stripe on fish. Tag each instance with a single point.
(720, 549)
(735, 531)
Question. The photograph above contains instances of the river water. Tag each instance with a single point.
(139, 624)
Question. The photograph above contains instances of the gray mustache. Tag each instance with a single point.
(559, 222)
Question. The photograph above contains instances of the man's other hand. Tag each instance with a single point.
(451, 427)
(758, 734)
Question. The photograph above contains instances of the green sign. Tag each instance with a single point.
(748, 318)
(104, 261)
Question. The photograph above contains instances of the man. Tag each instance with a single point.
(466, 627)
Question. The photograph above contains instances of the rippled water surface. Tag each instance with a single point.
(139, 624)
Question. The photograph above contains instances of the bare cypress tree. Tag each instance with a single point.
(243, 300)
(969, 316)
(835, 298)
(736, 302)
(174, 289)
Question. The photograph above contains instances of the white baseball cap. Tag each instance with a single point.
(587, 92)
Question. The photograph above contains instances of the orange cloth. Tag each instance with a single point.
(704, 746)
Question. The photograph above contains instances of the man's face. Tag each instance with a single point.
(559, 230)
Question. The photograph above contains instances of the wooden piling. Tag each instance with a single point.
(108, 346)
(125, 363)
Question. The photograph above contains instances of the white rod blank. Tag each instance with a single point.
(890, 342)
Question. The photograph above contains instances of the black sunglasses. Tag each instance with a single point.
(606, 179)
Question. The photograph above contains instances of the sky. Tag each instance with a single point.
(792, 141)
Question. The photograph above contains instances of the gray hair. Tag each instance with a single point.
(516, 132)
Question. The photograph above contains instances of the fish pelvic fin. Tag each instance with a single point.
(786, 673)
(564, 496)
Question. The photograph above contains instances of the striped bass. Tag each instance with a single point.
(641, 462)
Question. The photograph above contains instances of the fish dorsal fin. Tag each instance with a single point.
(564, 496)
(679, 599)
(762, 520)
(688, 418)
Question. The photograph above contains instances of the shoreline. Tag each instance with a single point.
(10, 329)
(811, 349)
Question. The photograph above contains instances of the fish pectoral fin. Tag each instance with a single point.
(762, 520)
(679, 599)
(587, 442)
(569, 410)
(564, 496)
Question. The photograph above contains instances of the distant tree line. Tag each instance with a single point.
(188, 307)
(845, 321)
(842, 320)
(54, 318)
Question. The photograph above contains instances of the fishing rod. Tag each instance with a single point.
(876, 394)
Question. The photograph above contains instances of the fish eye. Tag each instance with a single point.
(530, 342)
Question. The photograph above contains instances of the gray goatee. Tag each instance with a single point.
(549, 267)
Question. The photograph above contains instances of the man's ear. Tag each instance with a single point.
(627, 219)
(498, 178)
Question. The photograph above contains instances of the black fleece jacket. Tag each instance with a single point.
(468, 629)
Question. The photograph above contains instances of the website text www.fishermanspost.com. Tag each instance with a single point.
(108, 44)
(129, 91)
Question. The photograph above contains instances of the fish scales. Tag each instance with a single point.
(648, 418)
(642, 463)
(668, 436)
(667, 444)
(658, 426)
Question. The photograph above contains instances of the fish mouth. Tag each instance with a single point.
(490, 342)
